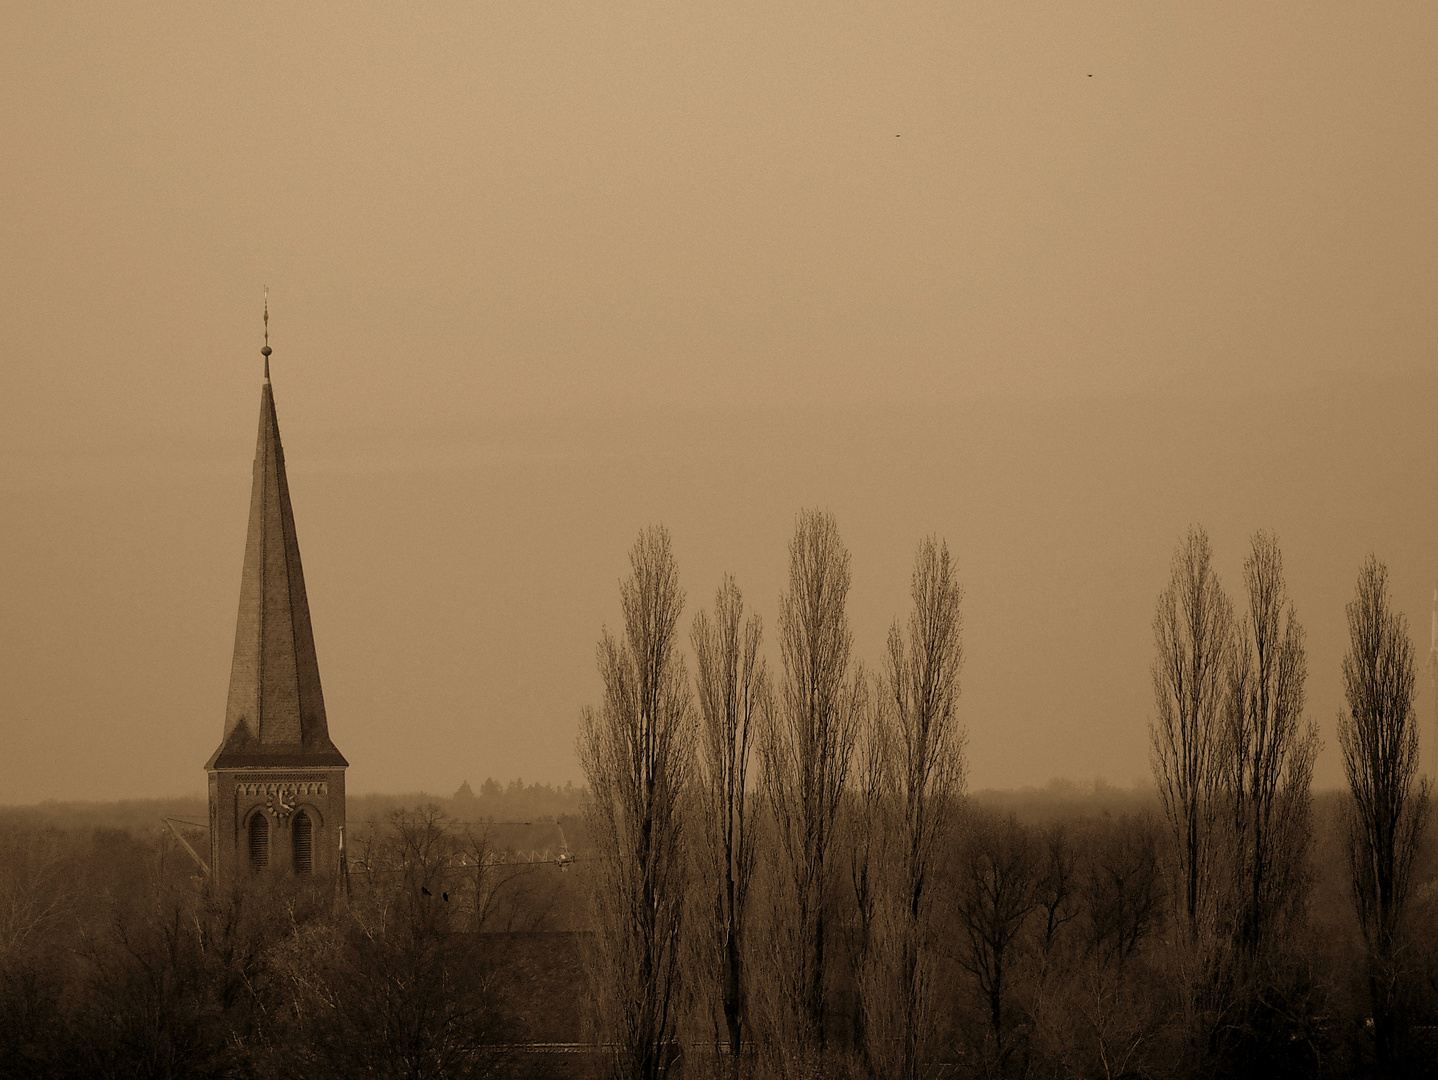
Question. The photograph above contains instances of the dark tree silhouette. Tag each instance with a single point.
(1268, 754)
(733, 688)
(1193, 635)
(807, 745)
(1379, 737)
(997, 892)
(918, 699)
(637, 753)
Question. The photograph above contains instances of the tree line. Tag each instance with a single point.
(119, 960)
(780, 872)
(791, 881)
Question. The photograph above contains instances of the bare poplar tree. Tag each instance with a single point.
(1268, 752)
(806, 748)
(637, 751)
(1192, 631)
(733, 688)
(921, 684)
(1379, 737)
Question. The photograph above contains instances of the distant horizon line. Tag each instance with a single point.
(1061, 786)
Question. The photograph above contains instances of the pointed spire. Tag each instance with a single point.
(276, 710)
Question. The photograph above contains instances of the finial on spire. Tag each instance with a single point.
(265, 352)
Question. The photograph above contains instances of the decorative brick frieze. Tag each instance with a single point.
(282, 786)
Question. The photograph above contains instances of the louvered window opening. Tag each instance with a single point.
(304, 843)
(259, 842)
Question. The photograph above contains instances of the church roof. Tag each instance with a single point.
(276, 711)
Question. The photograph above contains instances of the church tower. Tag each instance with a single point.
(277, 782)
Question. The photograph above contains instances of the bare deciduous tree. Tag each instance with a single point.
(487, 874)
(1268, 752)
(1058, 892)
(1192, 629)
(400, 870)
(920, 693)
(32, 884)
(807, 744)
(996, 894)
(1122, 891)
(637, 751)
(733, 689)
(1379, 737)
(1108, 1012)
(387, 990)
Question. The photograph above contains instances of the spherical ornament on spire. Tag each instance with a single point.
(265, 352)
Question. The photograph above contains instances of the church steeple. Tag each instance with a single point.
(277, 782)
(276, 710)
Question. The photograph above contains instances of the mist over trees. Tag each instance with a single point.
(777, 870)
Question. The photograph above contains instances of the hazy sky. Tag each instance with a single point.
(1050, 281)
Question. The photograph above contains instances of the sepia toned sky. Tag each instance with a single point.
(1049, 281)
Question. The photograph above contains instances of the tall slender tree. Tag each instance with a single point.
(1268, 752)
(1378, 734)
(733, 688)
(921, 691)
(1192, 632)
(807, 746)
(637, 753)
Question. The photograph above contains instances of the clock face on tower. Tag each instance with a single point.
(281, 804)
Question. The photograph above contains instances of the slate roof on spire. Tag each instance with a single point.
(276, 711)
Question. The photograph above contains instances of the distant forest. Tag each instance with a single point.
(514, 801)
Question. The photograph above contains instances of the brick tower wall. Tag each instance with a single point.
(278, 794)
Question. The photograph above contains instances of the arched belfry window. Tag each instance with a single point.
(304, 835)
(259, 841)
